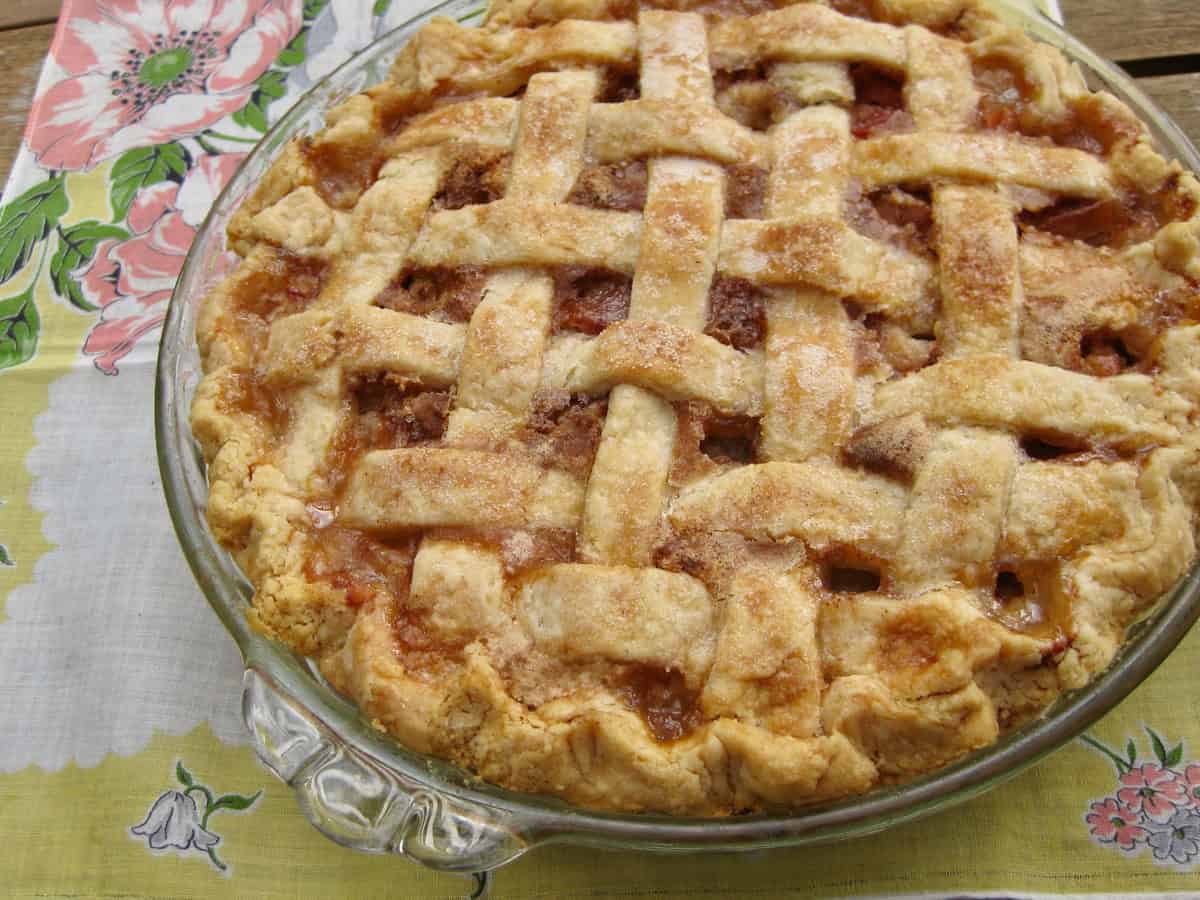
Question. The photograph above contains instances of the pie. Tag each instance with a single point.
(714, 408)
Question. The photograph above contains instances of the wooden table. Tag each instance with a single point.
(26, 28)
(1158, 41)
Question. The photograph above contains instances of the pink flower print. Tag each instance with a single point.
(131, 280)
(1113, 823)
(1191, 781)
(143, 72)
(1152, 790)
(98, 281)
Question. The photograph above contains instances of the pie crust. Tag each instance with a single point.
(710, 409)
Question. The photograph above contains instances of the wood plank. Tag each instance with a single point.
(1179, 96)
(28, 12)
(1135, 29)
(21, 53)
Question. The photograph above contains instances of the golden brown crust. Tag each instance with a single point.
(712, 409)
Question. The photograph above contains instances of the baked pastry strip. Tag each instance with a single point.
(805, 32)
(682, 220)
(766, 670)
(808, 402)
(954, 522)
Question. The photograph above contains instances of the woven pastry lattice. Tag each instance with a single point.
(706, 414)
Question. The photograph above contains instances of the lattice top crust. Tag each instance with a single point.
(710, 409)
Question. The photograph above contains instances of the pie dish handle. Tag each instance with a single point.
(354, 800)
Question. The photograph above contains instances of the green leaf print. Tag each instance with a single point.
(19, 327)
(184, 776)
(381, 6)
(268, 88)
(1122, 765)
(252, 115)
(135, 169)
(76, 246)
(233, 801)
(312, 8)
(293, 54)
(1160, 751)
(27, 220)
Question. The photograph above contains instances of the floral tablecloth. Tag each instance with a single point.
(124, 769)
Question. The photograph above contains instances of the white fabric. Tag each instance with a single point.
(112, 641)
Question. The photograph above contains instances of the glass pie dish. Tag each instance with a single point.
(365, 791)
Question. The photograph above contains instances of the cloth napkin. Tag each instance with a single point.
(124, 768)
